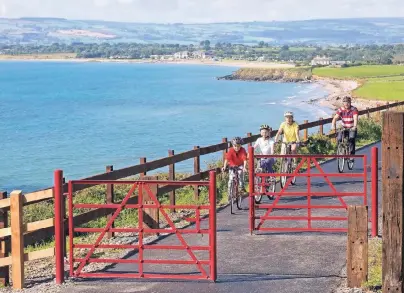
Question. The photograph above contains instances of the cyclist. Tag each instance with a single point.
(236, 158)
(290, 131)
(349, 119)
(266, 147)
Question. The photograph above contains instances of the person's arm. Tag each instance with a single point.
(226, 161)
(278, 133)
(355, 118)
(272, 147)
(245, 162)
(334, 121)
(224, 165)
(297, 134)
(256, 144)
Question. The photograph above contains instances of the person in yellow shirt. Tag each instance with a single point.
(290, 131)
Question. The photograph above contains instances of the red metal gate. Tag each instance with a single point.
(287, 212)
(206, 268)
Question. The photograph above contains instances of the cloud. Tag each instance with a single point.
(3, 9)
(189, 11)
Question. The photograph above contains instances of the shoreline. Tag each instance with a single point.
(339, 88)
(336, 88)
(207, 62)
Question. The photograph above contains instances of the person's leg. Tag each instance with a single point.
(265, 165)
(271, 163)
(231, 176)
(294, 152)
(352, 141)
(241, 178)
(339, 136)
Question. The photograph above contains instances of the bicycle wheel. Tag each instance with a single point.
(291, 170)
(257, 188)
(272, 187)
(350, 161)
(239, 199)
(284, 170)
(340, 161)
(232, 191)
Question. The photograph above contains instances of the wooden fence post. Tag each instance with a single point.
(306, 131)
(388, 106)
(17, 239)
(150, 215)
(110, 199)
(321, 129)
(171, 177)
(197, 170)
(224, 140)
(392, 201)
(4, 244)
(357, 246)
(142, 161)
(249, 134)
(367, 113)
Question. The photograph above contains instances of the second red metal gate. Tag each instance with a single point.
(311, 204)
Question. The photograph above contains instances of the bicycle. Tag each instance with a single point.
(234, 193)
(344, 148)
(287, 166)
(270, 185)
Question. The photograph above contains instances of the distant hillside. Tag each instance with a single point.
(320, 32)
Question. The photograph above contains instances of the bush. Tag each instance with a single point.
(369, 130)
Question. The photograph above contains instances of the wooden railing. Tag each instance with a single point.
(21, 235)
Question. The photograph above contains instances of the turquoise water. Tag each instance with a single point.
(80, 117)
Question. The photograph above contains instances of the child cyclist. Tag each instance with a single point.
(236, 159)
(265, 145)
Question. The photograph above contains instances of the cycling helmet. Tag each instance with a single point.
(346, 99)
(264, 126)
(288, 113)
(236, 141)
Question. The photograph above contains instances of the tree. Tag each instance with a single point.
(285, 48)
(261, 44)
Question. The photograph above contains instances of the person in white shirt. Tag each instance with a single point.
(265, 145)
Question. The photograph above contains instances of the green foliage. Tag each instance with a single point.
(369, 130)
(303, 54)
(319, 144)
(374, 282)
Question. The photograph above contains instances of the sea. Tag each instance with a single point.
(83, 116)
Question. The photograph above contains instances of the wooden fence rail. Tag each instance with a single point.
(22, 235)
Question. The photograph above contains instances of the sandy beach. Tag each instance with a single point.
(337, 90)
(227, 63)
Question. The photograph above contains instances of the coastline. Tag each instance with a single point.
(208, 62)
(336, 88)
(339, 88)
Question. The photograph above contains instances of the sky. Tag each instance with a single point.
(200, 11)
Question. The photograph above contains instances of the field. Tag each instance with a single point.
(368, 71)
(382, 89)
(379, 82)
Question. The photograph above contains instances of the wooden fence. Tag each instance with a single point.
(21, 235)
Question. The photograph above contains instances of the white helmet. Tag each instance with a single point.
(288, 113)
